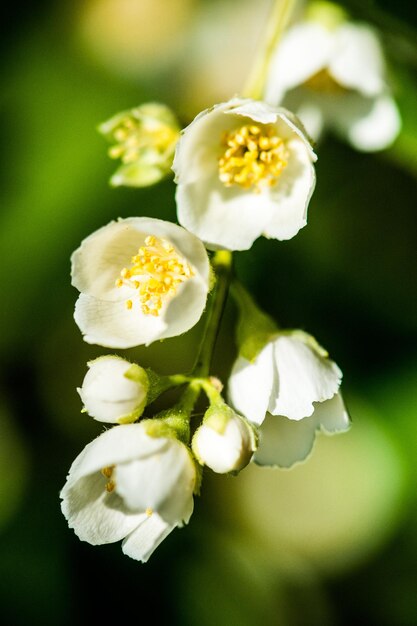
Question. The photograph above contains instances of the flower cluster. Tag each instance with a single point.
(243, 169)
(332, 72)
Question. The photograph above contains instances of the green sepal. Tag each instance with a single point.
(138, 174)
(217, 417)
(172, 423)
(255, 328)
(326, 13)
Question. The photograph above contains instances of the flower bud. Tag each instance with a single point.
(144, 139)
(114, 390)
(225, 441)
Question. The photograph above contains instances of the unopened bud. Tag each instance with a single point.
(114, 390)
(225, 441)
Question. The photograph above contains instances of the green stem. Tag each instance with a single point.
(189, 398)
(222, 265)
(277, 23)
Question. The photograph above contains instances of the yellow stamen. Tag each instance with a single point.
(254, 156)
(133, 136)
(110, 485)
(108, 473)
(149, 512)
(157, 272)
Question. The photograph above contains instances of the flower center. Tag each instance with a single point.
(323, 82)
(254, 155)
(155, 275)
(133, 136)
(108, 473)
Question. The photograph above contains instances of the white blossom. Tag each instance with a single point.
(332, 74)
(243, 169)
(114, 390)
(225, 441)
(141, 280)
(290, 390)
(127, 484)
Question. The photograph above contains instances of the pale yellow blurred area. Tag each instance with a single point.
(332, 511)
(206, 49)
(134, 37)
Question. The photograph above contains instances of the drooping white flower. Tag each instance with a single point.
(332, 73)
(291, 388)
(114, 390)
(144, 139)
(127, 484)
(243, 169)
(141, 279)
(225, 441)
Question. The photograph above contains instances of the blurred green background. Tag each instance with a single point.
(330, 542)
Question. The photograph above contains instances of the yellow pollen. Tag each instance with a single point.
(156, 273)
(107, 473)
(149, 511)
(253, 156)
(110, 485)
(323, 82)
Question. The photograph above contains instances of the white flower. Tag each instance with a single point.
(141, 279)
(334, 75)
(244, 169)
(129, 485)
(114, 390)
(290, 390)
(144, 139)
(225, 441)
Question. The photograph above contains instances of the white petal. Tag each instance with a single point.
(304, 50)
(331, 416)
(283, 442)
(304, 376)
(357, 62)
(185, 309)
(163, 482)
(292, 194)
(97, 263)
(200, 141)
(254, 110)
(119, 444)
(369, 124)
(143, 541)
(112, 325)
(250, 385)
(223, 217)
(95, 515)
